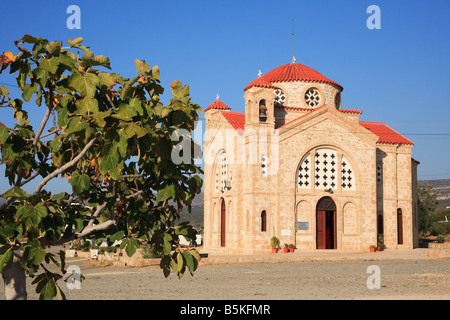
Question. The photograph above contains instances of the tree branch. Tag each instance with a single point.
(68, 164)
(41, 128)
(98, 227)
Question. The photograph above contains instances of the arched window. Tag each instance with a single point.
(224, 172)
(263, 221)
(262, 111)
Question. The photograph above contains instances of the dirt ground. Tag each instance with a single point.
(305, 280)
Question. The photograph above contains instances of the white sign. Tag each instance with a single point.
(285, 232)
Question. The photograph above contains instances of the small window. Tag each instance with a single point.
(379, 174)
(337, 100)
(312, 97)
(280, 98)
(263, 166)
(263, 221)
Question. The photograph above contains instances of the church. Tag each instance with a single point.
(297, 166)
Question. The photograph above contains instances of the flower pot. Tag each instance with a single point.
(379, 249)
(274, 250)
(291, 249)
(372, 249)
(286, 250)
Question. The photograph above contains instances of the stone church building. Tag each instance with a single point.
(298, 166)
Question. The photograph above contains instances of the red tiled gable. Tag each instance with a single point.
(296, 72)
(385, 134)
(236, 119)
(2, 125)
(261, 83)
(350, 111)
(218, 105)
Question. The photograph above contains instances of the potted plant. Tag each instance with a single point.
(379, 243)
(291, 247)
(373, 248)
(274, 244)
(286, 248)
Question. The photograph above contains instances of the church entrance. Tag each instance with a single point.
(326, 224)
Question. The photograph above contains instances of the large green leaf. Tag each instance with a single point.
(87, 105)
(49, 65)
(86, 85)
(88, 60)
(32, 214)
(80, 183)
(106, 79)
(110, 164)
(6, 256)
(166, 193)
(76, 124)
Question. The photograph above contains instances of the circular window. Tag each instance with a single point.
(337, 100)
(280, 98)
(312, 97)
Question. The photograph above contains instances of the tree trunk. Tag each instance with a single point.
(15, 279)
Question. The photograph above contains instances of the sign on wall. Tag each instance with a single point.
(302, 225)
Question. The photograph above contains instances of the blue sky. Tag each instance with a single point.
(397, 75)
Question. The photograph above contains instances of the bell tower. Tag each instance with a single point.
(259, 103)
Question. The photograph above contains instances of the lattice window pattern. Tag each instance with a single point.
(379, 174)
(312, 97)
(280, 97)
(224, 172)
(304, 173)
(217, 178)
(322, 170)
(347, 176)
(264, 166)
(325, 171)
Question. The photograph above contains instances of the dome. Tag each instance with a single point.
(296, 72)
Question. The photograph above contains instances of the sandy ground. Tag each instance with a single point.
(399, 279)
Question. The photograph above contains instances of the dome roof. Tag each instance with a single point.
(296, 72)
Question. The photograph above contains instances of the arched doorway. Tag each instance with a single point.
(222, 223)
(326, 224)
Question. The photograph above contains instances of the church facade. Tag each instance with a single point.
(299, 167)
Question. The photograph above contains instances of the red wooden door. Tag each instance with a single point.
(321, 235)
(326, 224)
(222, 224)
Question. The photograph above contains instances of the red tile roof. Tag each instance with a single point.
(386, 134)
(236, 119)
(219, 105)
(2, 125)
(296, 72)
(261, 83)
(350, 111)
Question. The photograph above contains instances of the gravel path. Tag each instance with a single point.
(400, 279)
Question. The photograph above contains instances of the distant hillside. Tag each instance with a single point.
(195, 217)
(441, 187)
